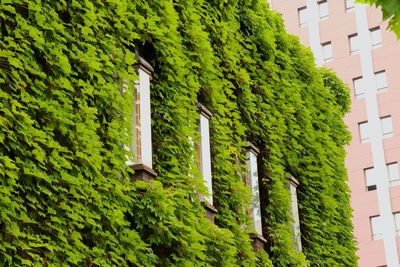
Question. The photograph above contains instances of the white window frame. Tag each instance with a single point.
(393, 173)
(358, 85)
(349, 5)
(327, 50)
(323, 14)
(293, 184)
(141, 142)
(376, 227)
(396, 216)
(387, 126)
(205, 150)
(381, 81)
(363, 130)
(376, 37)
(252, 168)
(354, 43)
(370, 179)
(302, 14)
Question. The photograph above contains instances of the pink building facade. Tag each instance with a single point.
(352, 39)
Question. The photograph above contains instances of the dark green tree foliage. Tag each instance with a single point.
(65, 194)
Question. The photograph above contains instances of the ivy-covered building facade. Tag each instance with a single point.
(167, 133)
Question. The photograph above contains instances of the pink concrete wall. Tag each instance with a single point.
(336, 29)
(395, 197)
(289, 11)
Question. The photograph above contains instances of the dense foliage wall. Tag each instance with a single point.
(66, 196)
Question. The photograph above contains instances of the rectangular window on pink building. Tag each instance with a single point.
(327, 51)
(303, 19)
(376, 227)
(364, 131)
(381, 81)
(397, 222)
(393, 173)
(376, 37)
(349, 5)
(387, 126)
(354, 43)
(370, 181)
(323, 9)
(359, 89)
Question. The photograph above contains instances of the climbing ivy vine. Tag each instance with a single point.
(66, 194)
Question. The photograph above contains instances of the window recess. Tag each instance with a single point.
(387, 126)
(370, 181)
(376, 227)
(323, 9)
(363, 129)
(376, 37)
(327, 52)
(141, 142)
(204, 159)
(303, 16)
(252, 181)
(381, 80)
(354, 43)
(393, 173)
(293, 184)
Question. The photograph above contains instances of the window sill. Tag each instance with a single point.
(381, 90)
(259, 241)
(377, 237)
(142, 172)
(395, 183)
(324, 18)
(360, 96)
(388, 135)
(211, 211)
(364, 141)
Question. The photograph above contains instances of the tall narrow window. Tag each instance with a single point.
(143, 117)
(359, 89)
(364, 131)
(252, 168)
(327, 51)
(370, 181)
(376, 37)
(205, 150)
(376, 227)
(354, 43)
(393, 173)
(295, 211)
(349, 5)
(323, 9)
(387, 127)
(302, 13)
(141, 143)
(397, 222)
(381, 82)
